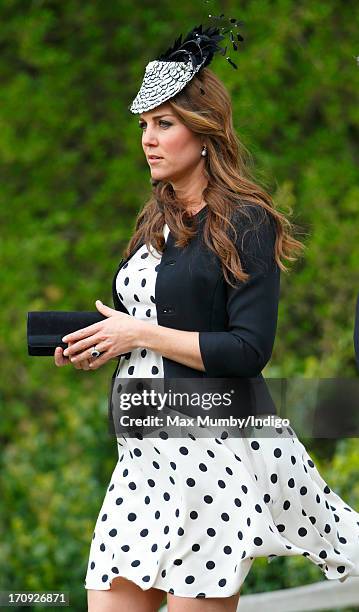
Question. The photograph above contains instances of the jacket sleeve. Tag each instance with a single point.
(252, 307)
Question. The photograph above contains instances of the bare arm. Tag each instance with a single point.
(175, 344)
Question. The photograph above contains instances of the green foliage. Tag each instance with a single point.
(73, 178)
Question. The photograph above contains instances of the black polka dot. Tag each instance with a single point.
(323, 554)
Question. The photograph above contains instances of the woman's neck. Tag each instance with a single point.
(193, 197)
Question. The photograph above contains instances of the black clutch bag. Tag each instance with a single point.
(45, 329)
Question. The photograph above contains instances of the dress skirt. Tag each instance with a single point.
(189, 516)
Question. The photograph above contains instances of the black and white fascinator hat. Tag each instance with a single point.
(169, 73)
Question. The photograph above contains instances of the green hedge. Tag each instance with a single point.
(73, 178)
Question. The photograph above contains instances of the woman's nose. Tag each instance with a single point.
(149, 137)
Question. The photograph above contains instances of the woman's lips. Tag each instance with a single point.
(154, 160)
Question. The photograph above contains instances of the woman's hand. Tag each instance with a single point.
(116, 335)
(60, 360)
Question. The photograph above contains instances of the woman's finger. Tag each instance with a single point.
(60, 360)
(80, 365)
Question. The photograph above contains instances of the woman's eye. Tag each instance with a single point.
(163, 123)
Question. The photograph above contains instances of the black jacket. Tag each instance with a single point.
(236, 326)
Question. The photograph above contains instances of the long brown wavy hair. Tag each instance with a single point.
(230, 186)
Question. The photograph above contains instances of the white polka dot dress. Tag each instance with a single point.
(189, 515)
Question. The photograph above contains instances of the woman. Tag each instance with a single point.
(197, 296)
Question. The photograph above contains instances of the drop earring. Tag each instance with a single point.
(204, 151)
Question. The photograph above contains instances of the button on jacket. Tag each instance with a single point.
(236, 326)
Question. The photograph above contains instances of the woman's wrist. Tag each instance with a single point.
(140, 334)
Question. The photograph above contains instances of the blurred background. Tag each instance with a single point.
(73, 179)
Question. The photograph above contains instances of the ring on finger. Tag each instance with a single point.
(95, 353)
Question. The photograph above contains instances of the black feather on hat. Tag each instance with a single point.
(169, 73)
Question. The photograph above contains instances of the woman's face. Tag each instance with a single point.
(177, 146)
